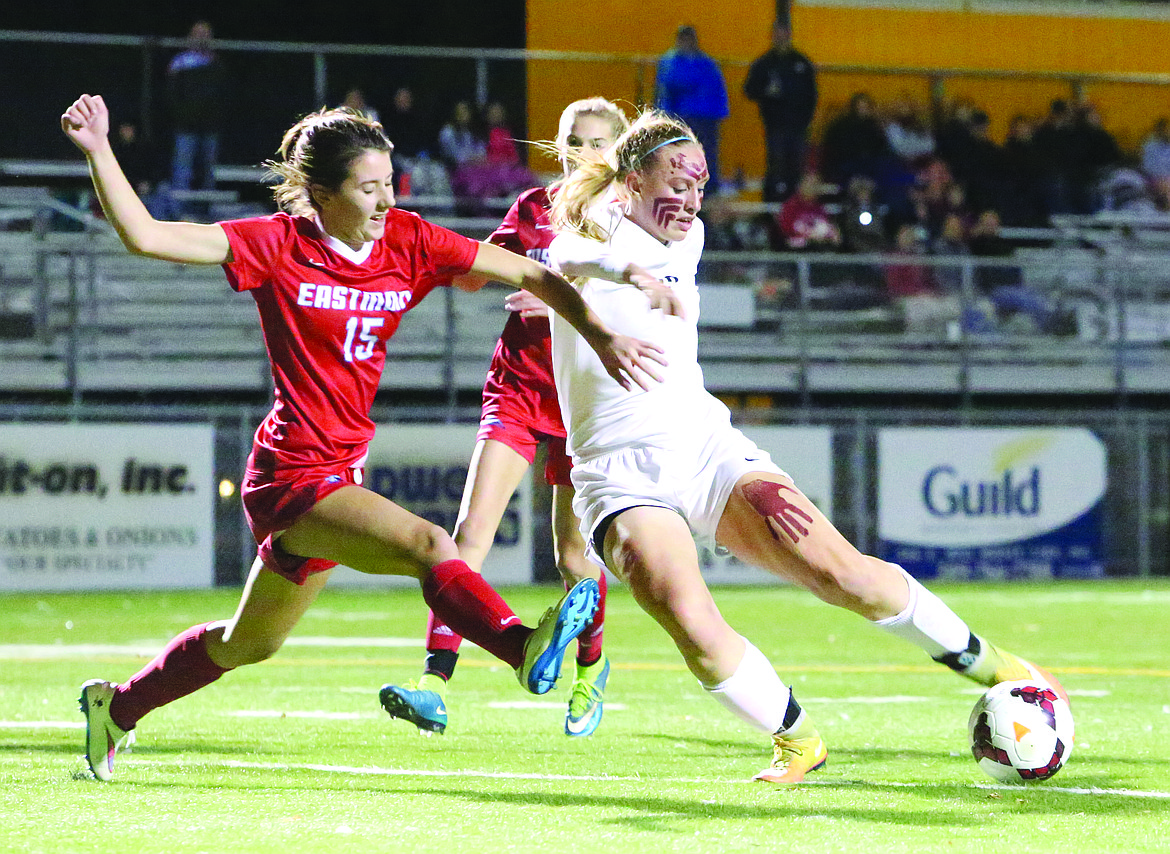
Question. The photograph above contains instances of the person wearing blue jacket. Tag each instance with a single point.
(689, 84)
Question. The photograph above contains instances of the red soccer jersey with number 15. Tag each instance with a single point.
(326, 321)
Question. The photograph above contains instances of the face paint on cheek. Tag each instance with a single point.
(780, 515)
(665, 209)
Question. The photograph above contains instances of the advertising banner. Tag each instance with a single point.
(105, 507)
(805, 453)
(423, 467)
(991, 502)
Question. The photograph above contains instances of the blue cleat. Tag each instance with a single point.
(425, 709)
(560, 625)
(585, 702)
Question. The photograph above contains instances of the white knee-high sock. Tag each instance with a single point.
(927, 622)
(754, 692)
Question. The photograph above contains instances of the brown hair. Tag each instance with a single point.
(635, 150)
(320, 149)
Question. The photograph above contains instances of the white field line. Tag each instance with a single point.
(375, 771)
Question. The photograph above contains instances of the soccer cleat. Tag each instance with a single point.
(794, 754)
(1008, 667)
(545, 647)
(425, 709)
(585, 702)
(103, 737)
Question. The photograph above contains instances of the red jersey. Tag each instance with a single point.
(326, 320)
(522, 361)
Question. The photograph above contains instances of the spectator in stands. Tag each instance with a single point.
(783, 83)
(930, 297)
(854, 143)
(935, 196)
(462, 150)
(417, 171)
(1057, 151)
(503, 152)
(1023, 202)
(1018, 307)
(908, 131)
(909, 279)
(954, 135)
(689, 84)
(1127, 189)
(196, 94)
(863, 230)
(355, 99)
(863, 217)
(1155, 160)
(1100, 155)
(498, 172)
(405, 127)
(804, 223)
(985, 173)
(460, 142)
(950, 241)
(140, 163)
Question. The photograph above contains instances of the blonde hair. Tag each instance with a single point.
(320, 149)
(600, 107)
(636, 150)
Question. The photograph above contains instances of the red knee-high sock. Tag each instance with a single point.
(589, 641)
(182, 667)
(441, 636)
(462, 600)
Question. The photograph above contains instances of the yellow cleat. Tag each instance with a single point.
(795, 754)
(1009, 667)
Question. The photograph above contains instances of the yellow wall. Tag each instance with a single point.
(738, 30)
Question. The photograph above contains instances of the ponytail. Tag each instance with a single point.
(635, 150)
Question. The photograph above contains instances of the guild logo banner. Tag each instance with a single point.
(992, 502)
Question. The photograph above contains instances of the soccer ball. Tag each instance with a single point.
(1021, 731)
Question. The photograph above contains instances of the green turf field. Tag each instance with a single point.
(295, 755)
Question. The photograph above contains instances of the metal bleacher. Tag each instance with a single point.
(78, 314)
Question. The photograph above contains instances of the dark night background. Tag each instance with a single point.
(38, 80)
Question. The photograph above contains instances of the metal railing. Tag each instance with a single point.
(1090, 319)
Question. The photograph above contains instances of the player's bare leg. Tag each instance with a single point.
(652, 551)
(770, 523)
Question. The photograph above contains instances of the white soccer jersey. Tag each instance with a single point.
(600, 416)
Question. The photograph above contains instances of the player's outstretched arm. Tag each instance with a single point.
(87, 124)
(628, 360)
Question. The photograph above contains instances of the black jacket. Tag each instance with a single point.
(784, 86)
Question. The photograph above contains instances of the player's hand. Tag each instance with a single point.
(630, 361)
(526, 303)
(87, 123)
(661, 295)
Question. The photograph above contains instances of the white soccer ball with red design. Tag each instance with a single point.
(1021, 731)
